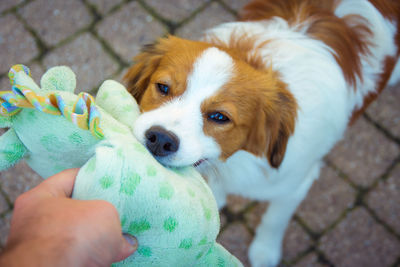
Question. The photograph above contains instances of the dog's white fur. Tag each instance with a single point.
(326, 102)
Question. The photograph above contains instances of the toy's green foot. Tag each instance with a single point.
(113, 98)
(11, 149)
(218, 256)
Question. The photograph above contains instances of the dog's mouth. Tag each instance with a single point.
(197, 163)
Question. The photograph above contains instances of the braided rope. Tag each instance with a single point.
(84, 113)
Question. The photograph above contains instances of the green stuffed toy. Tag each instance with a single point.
(171, 212)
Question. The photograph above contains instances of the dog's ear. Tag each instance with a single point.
(145, 64)
(274, 124)
(281, 128)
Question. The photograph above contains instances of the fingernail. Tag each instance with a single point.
(131, 239)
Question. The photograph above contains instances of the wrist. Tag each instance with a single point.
(37, 253)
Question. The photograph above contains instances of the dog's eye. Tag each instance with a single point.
(163, 88)
(218, 117)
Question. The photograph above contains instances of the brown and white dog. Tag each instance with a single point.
(256, 104)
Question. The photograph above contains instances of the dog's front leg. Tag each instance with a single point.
(265, 250)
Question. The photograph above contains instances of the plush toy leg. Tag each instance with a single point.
(219, 256)
(11, 149)
(113, 98)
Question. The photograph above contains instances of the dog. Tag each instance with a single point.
(256, 104)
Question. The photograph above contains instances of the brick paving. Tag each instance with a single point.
(351, 216)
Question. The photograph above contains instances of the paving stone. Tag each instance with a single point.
(385, 200)
(57, 19)
(311, 260)
(119, 76)
(295, 241)
(325, 202)
(236, 4)
(236, 239)
(236, 203)
(104, 6)
(5, 84)
(129, 29)
(3, 204)
(18, 180)
(87, 59)
(213, 15)
(364, 154)
(4, 228)
(360, 241)
(16, 44)
(37, 71)
(254, 215)
(223, 220)
(386, 110)
(178, 11)
(6, 4)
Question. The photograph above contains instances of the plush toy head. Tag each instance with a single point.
(171, 212)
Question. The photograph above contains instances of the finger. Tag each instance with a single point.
(128, 247)
(60, 184)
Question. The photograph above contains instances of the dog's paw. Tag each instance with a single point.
(263, 255)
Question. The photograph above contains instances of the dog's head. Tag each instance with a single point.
(201, 101)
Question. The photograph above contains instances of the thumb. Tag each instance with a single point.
(129, 245)
(58, 185)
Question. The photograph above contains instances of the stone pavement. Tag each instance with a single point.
(351, 217)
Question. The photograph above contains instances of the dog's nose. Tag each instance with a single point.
(161, 142)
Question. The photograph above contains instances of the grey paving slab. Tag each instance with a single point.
(385, 200)
(236, 4)
(5, 84)
(120, 76)
(236, 238)
(87, 59)
(175, 10)
(18, 180)
(386, 110)
(55, 20)
(3, 204)
(328, 198)
(4, 228)
(129, 29)
(104, 6)
(360, 241)
(253, 216)
(222, 220)
(295, 242)
(237, 203)
(213, 15)
(364, 154)
(7, 4)
(310, 260)
(16, 43)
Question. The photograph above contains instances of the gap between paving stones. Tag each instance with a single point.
(173, 25)
(381, 128)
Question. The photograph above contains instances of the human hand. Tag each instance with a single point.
(48, 228)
